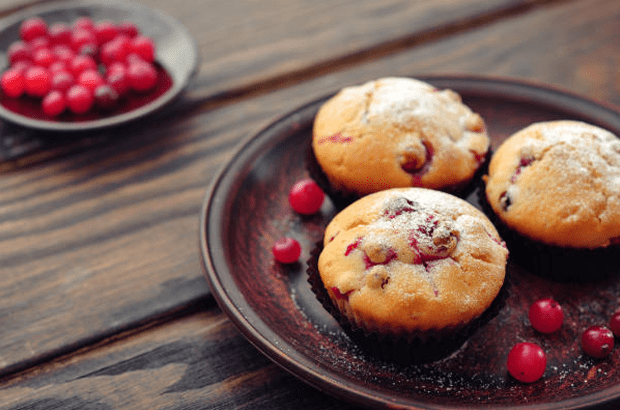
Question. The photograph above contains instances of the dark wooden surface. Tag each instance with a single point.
(103, 303)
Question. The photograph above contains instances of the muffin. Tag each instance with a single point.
(555, 189)
(411, 264)
(396, 132)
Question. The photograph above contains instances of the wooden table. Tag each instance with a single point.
(103, 301)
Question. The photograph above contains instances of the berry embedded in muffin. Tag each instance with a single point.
(558, 183)
(398, 132)
(412, 262)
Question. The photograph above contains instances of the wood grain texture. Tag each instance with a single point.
(185, 364)
(98, 234)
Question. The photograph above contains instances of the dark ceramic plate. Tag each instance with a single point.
(246, 210)
(177, 59)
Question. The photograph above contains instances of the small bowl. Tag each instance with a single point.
(177, 59)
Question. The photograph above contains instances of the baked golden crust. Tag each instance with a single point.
(410, 260)
(398, 132)
(558, 183)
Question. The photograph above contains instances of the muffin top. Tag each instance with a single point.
(406, 260)
(558, 183)
(398, 132)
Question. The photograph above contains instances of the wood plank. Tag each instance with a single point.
(242, 48)
(199, 361)
(104, 238)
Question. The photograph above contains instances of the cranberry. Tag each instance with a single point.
(546, 315)
(59, 33)
(128, 29)
(84, 23)
(306, 197)
(32, 28)
(142, 76)
(105, 31)
(597, 341)
(105, 97)
(115, 50)
(144, 47)
(286, 250)
(79, 99)
(63, 53)
(81, 63)
(62, 81)
(19, 51)
(39, 43)
(43, 57)
(90, 79)
(614, 324)
(12, 83)
(119, 81)
(81, 38)
(526, 362)
(54, 103)
(38, 81)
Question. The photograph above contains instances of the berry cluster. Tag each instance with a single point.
(306, 198)
(80, 66)
(527, 361)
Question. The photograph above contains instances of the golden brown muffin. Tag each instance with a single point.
(558, 183)
(412, 262)
(398, 132)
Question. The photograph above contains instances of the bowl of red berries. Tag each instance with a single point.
(78, 66)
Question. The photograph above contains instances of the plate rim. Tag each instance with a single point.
(271, 344)
(178, 85)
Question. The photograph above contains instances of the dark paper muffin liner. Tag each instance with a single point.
(416, 348)
(561, 264)
(341, 198)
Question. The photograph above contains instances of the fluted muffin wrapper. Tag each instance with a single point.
(412, 347)
(557, 263)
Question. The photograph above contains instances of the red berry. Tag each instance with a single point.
(286, 250)
(81, 38)
(38, 81)
(57, 66)
(144, 47)
(526, 362)
(62, 81)
(43, 57)
(546, 315)
(105, 31)
(306, 197)
(115, 50)
(90, 79)
(79, 99)
(63, 53)
(21, 66)
(82, 63)
(105, 97)
(118, 80)
(39, 43)
(597, 341)
(19, 51)
(53, 103)
(84, 23)
(32, 28)
(59, 33)
(142, 76)
(128, 28)
(614, 324)
(12, 83)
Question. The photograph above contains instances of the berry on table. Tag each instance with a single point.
(614, 323)
(286, 250)
(306, 197)
(546, 315)
(597, 341)
(526, 362)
